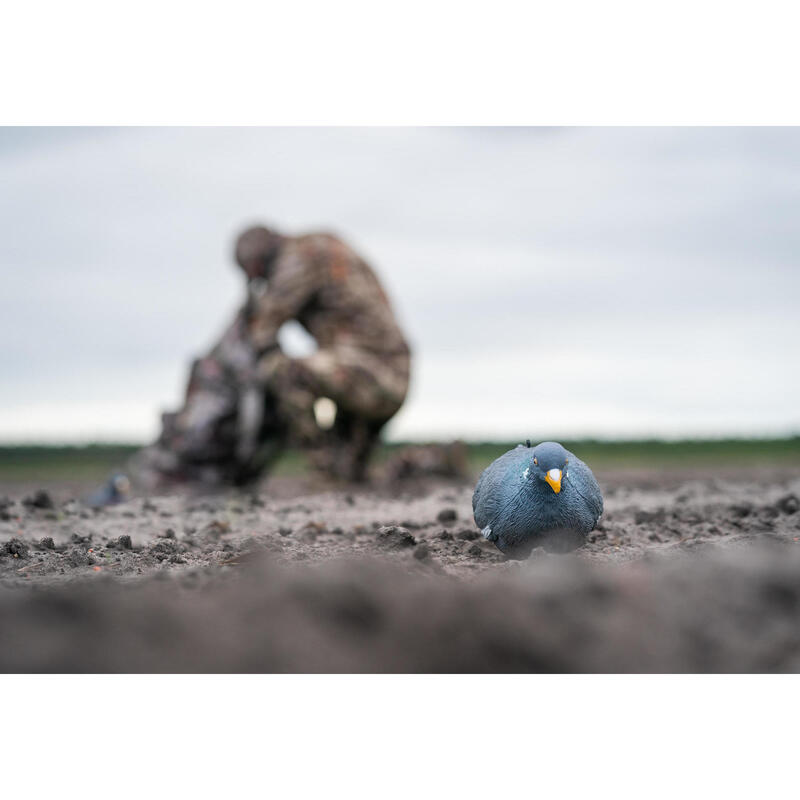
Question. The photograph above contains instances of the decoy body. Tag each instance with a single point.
(541, 496)
(115, 490)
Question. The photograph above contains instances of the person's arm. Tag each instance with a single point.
(292, 282)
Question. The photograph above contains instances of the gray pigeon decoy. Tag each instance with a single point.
(542, 496)
(116, 489)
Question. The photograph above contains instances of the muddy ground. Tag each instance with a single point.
(687, 572)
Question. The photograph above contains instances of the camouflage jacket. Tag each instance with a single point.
(319, 281)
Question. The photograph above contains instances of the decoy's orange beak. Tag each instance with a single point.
(553, 477)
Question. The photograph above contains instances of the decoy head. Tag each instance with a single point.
(121, 484)
(549, 464)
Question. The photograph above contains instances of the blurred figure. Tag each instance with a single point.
(246, 400)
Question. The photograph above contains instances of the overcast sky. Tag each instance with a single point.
(553, 282)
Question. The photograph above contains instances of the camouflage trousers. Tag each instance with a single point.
(240, 411)
(363, 392)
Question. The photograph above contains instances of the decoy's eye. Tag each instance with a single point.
(535, 461)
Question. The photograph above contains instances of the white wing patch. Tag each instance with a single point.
(487, 533)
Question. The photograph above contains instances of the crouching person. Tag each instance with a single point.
(246, 399)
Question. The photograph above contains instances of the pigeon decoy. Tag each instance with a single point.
(116, 489)
(542, 496)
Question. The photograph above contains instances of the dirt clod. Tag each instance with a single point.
(788, 504)
(15, 548)
(741, 510)
(447, 515)
(393, 537)
(39, 499)
(78, 557)
(216, 528)
(164, 546)
(645, 517)
(422, 552)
